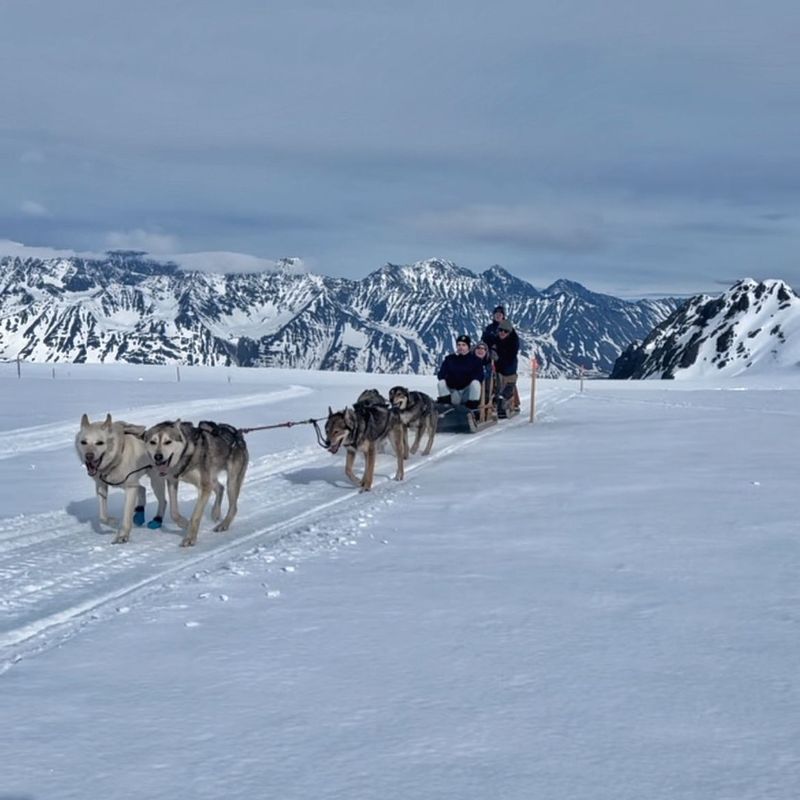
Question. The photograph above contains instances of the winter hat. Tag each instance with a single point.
(464, 338)
(501, 309)
(483, 345)
(505, 325)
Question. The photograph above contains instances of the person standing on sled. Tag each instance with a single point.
(460, 376)
(505, 364)
(490, 331)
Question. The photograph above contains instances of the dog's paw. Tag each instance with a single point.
(181, 522)
(112, 522)
(155, 523)
(188, 541)
(216, 513)
(138, 515)
(121, 538)
(223, 526)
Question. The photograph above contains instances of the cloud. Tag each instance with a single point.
(19, 250)
(526, 227)
(34, 209)
(226, 262)
(32, 157)
(139, 239)
(216, 261)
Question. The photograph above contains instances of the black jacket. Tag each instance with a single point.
(507, 349)
(490, 334)
(459, 371)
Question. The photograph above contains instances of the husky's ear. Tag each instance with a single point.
(85, 421)
(349, 415)
(330, 411)
(107, 423)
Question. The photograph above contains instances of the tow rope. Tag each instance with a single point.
(119, 483)
(320, 438)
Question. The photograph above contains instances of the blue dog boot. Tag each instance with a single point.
(138, 515)
(155, 523)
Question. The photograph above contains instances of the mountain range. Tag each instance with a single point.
(752, 327)
(128, 307)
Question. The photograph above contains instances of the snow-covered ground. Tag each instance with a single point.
(602, 605)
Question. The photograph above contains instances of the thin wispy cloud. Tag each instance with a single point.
(149, 241)
(32, 157)
(33, 209)
(524, 227)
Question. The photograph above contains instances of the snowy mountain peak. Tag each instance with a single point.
(564, 286)
(400, 318)
(753, 325)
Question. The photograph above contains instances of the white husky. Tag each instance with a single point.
(114, 455)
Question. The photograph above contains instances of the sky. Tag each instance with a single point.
(635, 147)
(601, 605)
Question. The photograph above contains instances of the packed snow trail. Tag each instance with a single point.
(51, 437)
(59, 567)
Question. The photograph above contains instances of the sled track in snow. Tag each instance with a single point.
(58, 572)
(52, 437)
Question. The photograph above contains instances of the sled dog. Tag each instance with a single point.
(114, 455)
(361, 429)
(197, 454)
(417, 410)
(372, 397)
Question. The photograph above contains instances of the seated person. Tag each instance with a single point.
(506, 350)
(481, 350)
(460, 376)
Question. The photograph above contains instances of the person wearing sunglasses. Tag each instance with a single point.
(506, 364)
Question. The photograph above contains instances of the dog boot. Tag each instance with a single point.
(138, 515)
(155, 523)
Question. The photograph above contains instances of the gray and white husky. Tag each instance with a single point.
(418, 411)
(197, 454)
(363, 428)
(114, 455)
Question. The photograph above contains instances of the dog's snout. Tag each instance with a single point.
(158, 458)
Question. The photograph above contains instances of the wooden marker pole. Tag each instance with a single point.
(581, 378)
(534, 367)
